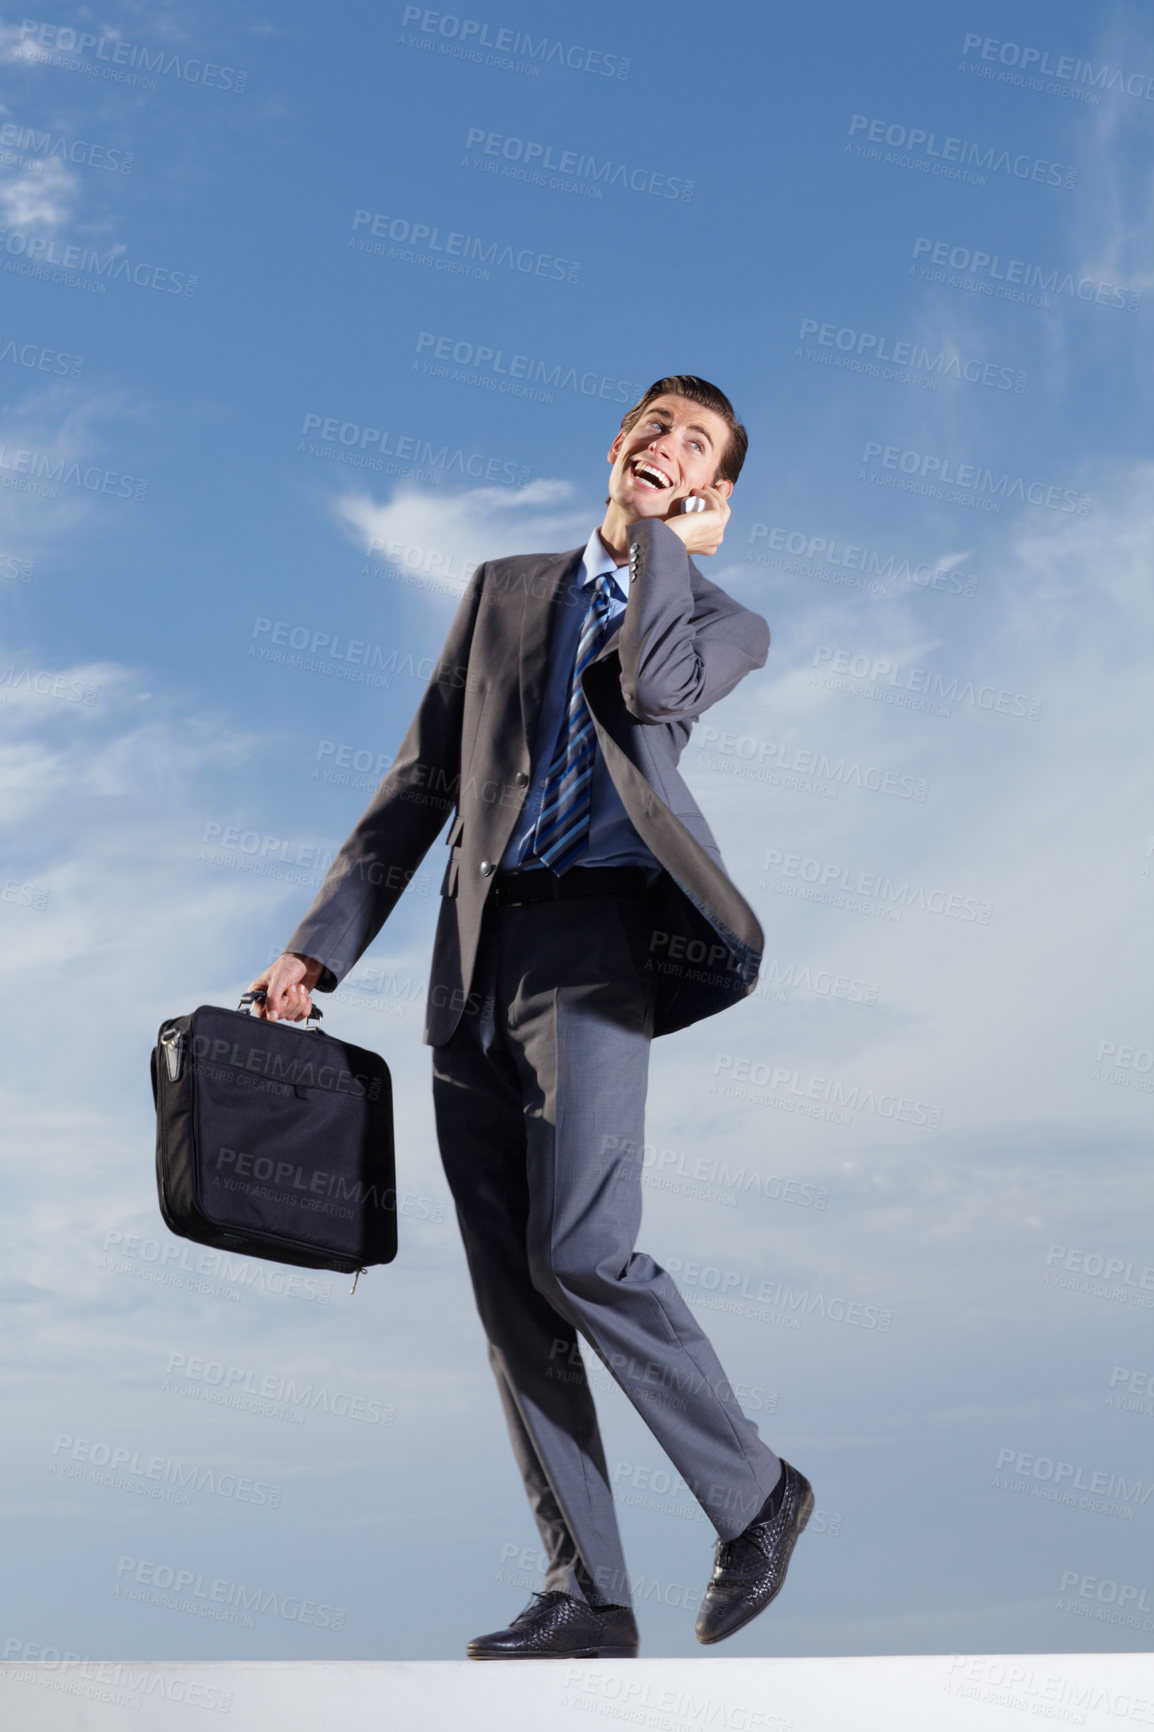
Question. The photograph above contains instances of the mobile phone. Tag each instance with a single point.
(694, 504)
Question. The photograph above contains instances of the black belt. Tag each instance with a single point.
(511, 889)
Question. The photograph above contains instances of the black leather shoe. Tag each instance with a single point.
(555, 1626)
(748, 1572)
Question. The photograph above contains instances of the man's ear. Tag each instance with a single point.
(616, 446)
(725, 488)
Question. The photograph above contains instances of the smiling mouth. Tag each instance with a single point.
(650, 477)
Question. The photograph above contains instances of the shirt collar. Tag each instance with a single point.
(596, 560)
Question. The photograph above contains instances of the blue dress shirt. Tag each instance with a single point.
(612, 839)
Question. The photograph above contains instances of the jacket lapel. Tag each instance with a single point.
(538, 621)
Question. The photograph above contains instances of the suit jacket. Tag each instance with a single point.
(682, 644)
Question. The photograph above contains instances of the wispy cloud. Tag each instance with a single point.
(455, 532)
(43, 437)
(40, 198)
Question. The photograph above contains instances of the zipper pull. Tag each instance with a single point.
(356, 1278)
(173, 1043)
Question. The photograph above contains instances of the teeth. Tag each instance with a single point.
(654, 475)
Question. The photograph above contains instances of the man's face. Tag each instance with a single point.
(672, 450)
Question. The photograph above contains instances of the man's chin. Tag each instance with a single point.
(652, 505)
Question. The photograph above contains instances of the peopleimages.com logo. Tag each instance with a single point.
(451, 249)
(469, 35)
(957, 158)
(535, 155)
(987, 268)
(1066, 68)
(185, 1590)
(909, 352)
(505, 371)
(942, 472)
(36, 143)
(831, 881)
(952, 690)
(42, 43)
(1098, 1488)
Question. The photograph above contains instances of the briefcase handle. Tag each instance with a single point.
(250, 998)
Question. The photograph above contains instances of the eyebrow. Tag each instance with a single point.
(690, 426)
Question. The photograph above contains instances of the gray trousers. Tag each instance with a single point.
(540, 1108)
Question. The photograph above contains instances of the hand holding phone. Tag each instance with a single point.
(709, 511)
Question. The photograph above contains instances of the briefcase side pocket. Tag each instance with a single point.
(175, 1149)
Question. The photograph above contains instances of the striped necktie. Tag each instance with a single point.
(562, 829)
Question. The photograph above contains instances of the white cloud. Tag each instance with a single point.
(447, 535)
(1114, 226)
(1045, 819)
(15, 47)
(39, 198)
(43, 436)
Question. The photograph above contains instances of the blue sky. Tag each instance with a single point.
(232, 428)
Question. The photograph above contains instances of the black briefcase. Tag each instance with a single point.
(274, 1140)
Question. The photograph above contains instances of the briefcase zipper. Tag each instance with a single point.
(173, 1043)
(356, 1278)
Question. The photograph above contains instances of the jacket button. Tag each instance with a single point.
(634, 549)
(486, 868)
(521, 779)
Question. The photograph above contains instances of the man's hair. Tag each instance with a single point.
(709, 397)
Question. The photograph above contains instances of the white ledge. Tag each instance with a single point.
(921, 1693)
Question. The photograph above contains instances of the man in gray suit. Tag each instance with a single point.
(585, 908)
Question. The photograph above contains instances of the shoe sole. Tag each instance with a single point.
(570, 1654)
(723, 1636)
